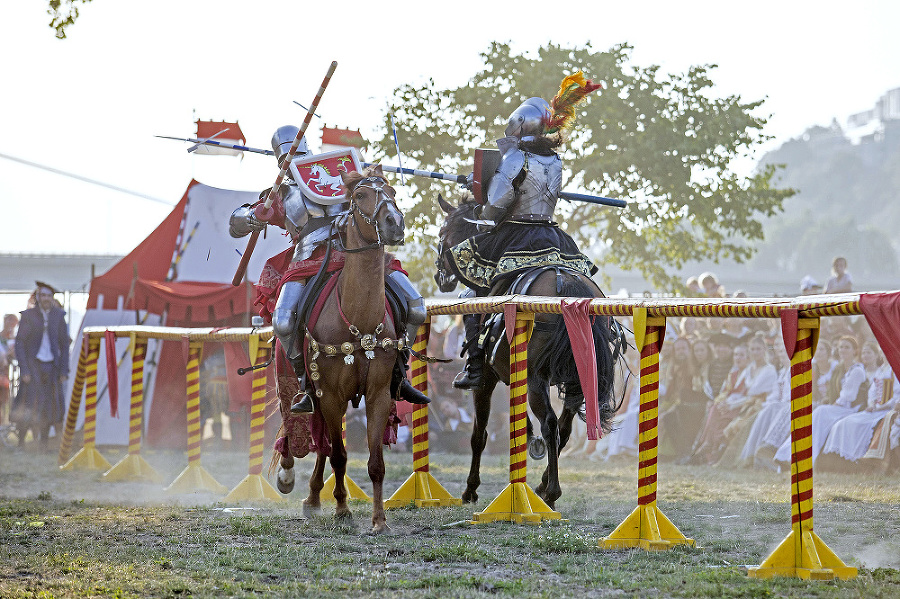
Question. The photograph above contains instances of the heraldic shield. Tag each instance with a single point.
(319, 175)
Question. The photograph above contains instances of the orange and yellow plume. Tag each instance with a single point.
(572, 91)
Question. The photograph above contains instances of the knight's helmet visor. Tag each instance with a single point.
(529, 119)
(282, 140)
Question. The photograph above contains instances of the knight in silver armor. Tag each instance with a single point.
(309, 224)
(521, 199)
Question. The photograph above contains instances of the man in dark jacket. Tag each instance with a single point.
(42, 349)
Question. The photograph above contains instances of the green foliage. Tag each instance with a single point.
(63, 13)
(663, 142)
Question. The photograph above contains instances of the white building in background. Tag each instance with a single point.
(869, 125)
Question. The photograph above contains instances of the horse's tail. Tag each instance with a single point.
(275, 460)
(558, 364)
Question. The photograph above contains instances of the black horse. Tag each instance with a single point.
(550, 359)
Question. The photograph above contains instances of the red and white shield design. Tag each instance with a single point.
(319, 175)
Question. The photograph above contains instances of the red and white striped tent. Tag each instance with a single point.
(180, 275)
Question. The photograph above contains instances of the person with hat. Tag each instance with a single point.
(809, 286)
(42, 350)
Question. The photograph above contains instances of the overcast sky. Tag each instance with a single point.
(92, 103)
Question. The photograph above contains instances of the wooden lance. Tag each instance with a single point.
(264, 212)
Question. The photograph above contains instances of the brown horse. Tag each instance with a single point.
(352, 345)
(550, 359)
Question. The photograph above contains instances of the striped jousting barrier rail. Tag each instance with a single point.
(802, 553)
(194, 477)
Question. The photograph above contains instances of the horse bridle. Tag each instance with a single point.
(377, 184)
(442, 277)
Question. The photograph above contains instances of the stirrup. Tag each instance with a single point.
(468, 379)
(304, 405)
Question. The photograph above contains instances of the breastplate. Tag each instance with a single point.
(538, 193)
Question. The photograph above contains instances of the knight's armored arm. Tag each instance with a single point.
(502, 188)
(243, 222)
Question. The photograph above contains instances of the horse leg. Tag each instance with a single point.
(339, 466)
(285, 478)
(539, 401)
(313, 503)
(377, 412)
(482, 408)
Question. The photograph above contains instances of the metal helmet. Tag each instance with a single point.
(529, 119)
(282, 140)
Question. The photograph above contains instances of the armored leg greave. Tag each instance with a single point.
(284, 318)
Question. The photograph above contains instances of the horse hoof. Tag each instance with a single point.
(537, 448)
(310, 510)
(380, 528)
(470, 497)
(285, 480)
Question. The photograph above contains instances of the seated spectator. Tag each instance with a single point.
(809, 286)
(840, 281)
(454, 432)
(775, 413)
(682, 402)
(721, 363)
(841, 401)
(850, 437)
(693, 287)
(711, 439)
(710, 285)
(762, 382)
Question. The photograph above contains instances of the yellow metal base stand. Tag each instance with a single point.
(648, 528)
(812, 559)
(254, 488)
(87, 458)
(133, 467)
(353, 490)
(195, 478)
(517, 503)
(422, 489)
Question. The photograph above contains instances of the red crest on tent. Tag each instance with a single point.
(319, 175)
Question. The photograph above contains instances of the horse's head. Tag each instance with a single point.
(457, 227)
(372, 207)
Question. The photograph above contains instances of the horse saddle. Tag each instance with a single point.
(493, 330)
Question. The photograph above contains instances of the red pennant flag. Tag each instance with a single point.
(112, 373)
(576, 315)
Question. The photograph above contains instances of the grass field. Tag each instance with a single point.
(71, 534)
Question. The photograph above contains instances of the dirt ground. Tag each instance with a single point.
(858, 515)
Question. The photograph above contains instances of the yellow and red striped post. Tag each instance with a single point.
(517, 502)
(74, 405)
(134, 466)
(802, 553)
(647, 527)
(255, 486)
(194, 477)
(88, 458)
(421, 488)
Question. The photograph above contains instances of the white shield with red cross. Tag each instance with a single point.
(319, 175)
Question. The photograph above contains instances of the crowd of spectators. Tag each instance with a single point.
(725, 391)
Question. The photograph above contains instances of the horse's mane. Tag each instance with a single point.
(456, 223)
(352, 178)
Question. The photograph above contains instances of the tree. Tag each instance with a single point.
(63, 13)
(661, 141)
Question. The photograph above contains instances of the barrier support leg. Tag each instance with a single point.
(88, 458)
(133, 466)
(802, 554)
(517, 502)
(421, 488)
(354, 492)
(65, 443)
(255, 487)
(647, 527)
(194, 478)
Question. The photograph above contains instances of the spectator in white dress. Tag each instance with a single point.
(851, 436)
(848, 376)
(840, 281)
